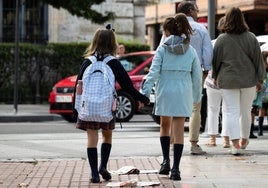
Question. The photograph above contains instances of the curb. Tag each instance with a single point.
(30, 118)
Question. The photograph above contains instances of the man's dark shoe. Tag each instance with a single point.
(252, 136)
(202, 129)
(105, 174)
(175, 175)
(165, 168)
(95, 180)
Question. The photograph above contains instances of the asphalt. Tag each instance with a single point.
(216, 169)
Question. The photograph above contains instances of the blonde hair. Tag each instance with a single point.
(103, 43)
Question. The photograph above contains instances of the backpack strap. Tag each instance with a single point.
(92, 58)
(106, 59)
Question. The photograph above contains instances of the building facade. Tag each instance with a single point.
(41, 23)
(255, 12)
(136, 20)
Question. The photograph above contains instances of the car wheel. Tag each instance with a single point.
(126, 107)
(69, 118)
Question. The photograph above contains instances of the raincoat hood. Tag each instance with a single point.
(174, 44)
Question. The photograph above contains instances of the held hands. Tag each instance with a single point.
(145, 108)
(141, 105)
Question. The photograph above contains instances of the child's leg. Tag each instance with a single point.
(253, 113)
(261, 119)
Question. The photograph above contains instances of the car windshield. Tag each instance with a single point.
(132, 61)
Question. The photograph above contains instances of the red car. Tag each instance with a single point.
(137, 65)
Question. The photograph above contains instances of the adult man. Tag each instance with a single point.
(121, 50)
(201, 41)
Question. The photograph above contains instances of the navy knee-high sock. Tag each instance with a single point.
(92, 155)
(165, 144)
(252, 129)
(178, 148)
(105, 154)
(261, 124)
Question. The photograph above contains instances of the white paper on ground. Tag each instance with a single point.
(132, 170)
(133, 184)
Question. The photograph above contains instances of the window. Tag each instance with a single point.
(33, 21)
(9, 15)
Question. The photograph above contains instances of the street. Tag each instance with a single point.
(137, 123)
(60, 139)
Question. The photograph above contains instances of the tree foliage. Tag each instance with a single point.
(82, 8)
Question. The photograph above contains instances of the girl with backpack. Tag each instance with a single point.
(103, 44)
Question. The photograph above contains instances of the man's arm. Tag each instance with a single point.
(207, 52)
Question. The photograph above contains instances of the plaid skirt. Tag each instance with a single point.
(84, 125)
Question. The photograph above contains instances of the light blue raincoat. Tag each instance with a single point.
(177, 75)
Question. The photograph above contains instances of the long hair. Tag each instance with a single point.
(104, 42)
(235, 22)
(170, 25)
(183, 26)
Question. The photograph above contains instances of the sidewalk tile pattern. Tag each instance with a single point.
(210, 171)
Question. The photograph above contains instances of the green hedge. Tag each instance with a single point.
(40, 67)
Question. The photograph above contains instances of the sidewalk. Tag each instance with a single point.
(211, 171)
(217, 169)
(27, 113)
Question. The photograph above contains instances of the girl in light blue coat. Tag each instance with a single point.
(177, 76)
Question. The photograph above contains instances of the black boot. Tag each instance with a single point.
(260, 132)
(251, 131)
(92, 155)
(105, 154)
(165, 144)
(175, 172)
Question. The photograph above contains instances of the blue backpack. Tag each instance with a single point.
(98, 92)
